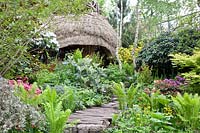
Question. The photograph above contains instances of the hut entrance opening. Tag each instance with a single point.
(88, 50)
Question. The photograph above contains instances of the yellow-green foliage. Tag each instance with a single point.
(192, 63)
(125, 54)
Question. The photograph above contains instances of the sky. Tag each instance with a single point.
(108, 6)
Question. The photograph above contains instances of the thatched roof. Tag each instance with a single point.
(90, 29)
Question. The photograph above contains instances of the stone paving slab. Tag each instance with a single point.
(93, 120)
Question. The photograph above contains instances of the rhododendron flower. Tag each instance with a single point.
(19, 82)
(11, 82)
(38, 91)
(27, 86)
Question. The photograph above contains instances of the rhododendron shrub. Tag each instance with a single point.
(170, 86)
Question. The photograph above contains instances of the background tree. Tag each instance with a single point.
(21, 21)
(120, 16)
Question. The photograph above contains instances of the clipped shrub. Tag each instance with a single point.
(156, 53)
(15, 115)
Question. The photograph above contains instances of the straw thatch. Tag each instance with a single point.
(89, 30)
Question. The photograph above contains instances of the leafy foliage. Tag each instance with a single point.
(191, 64)
(188, 108)
(137, 120)
(126, 75)
(83, 75)
(188, 40)
(144, 76)
(55, 115)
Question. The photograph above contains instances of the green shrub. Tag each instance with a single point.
(191, 66)
(126, 75)
(135, 120)
(155, 54)
(144, 76)
(188, 40)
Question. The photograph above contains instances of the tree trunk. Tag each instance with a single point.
(136, 35)
(121, 24)
(118, 42)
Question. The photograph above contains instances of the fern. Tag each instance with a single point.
(121, 95)
(77, 55)
(188, 109)
(68, 99)
(56, 117)
(125, 98)
(130, 95)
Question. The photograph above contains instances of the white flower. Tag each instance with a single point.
(49, 34)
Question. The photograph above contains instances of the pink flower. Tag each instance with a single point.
(19, 82)
(25, 79)
(38, 91)
(11, 82)
(27, 86)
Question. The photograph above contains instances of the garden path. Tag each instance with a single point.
(93, 120)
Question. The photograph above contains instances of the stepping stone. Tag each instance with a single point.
(93, 120)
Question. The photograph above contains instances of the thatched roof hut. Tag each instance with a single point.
(91, 32)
